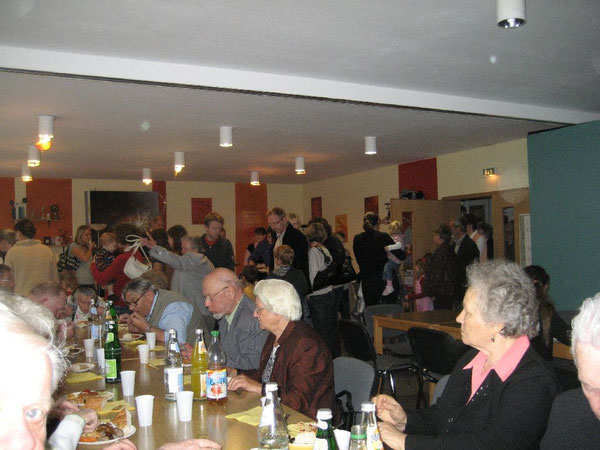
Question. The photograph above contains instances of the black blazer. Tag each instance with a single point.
(369, 252)
(296, 239)
(502, 415)
(467, 253)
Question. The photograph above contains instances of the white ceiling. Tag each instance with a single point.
(293, 78)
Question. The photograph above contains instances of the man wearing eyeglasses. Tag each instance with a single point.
(241, 336)
(288, 235)
(158, 310)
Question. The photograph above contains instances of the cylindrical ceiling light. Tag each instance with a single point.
(254, 181)
(226, 136)
(370, 145)
(300, 170)
(179, 162)
(33, 156)
(510, 13)
(147, 175)
(26, 173)
(45, 132)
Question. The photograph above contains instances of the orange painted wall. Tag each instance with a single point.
(7, 188)
(44, 192)
(250, 210)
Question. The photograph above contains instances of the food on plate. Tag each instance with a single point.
(81, 324)
(90, 399)
(81, 367)
(296, 429)
(127, 337)
(114, 425)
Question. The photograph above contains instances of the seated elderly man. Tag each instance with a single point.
(53, 296)
(7, 280)
(575, 417)
(159, 310)
(294, 355)
(500, 394)
(241, 336)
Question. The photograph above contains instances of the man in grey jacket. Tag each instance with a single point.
(241, 336)
(190, 269)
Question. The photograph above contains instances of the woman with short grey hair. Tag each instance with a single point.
(294, 355)
(499, 394)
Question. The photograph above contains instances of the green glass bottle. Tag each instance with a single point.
(325, 439)
(112, 354)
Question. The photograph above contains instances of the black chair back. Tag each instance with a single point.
(435, 350)
(357, 340)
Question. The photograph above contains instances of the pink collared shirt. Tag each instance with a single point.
(504, 367)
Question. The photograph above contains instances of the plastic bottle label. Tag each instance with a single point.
(109, 337)
(174, 379)
(373, 437)
(95, 332)
(216, 384)
(111, 368)
(320, 444)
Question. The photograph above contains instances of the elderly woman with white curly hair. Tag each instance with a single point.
(499, 394)
(294, 355)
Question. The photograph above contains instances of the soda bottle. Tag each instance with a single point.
(272, 431)
(199, 366)
(358, 438)
(112, 354)
(216, 374)
(369, 423)
(325, 439)
(173, 367)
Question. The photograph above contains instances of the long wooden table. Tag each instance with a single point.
(208, 418)
(443, 320)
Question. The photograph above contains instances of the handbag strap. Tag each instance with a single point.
(135, 246)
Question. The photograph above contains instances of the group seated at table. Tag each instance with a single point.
(499, 394)
(294, 355)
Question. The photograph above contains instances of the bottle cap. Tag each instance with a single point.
(357, 432)
(270, 386)
(214, 333)
(367, 407)
(324, 414)
(199, 331)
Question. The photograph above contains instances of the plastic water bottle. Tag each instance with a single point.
(369, 423)
(216, 375)
(272, 431)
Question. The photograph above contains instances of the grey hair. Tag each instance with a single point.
(26, 324)
(8, 236)
(47, 289)
(279, 297)
(505, 295)
(193, 240)
(226, 278)
(87, 291)
(586, 324)
(139, 286)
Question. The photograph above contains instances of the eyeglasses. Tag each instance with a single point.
(136, 300)
(275, 223)
(210, 297)
(258, 310)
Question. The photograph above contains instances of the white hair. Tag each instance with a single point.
(586, 324)
(25, 324)
(279, 297)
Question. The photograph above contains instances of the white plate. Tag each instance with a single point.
(128, 431)
(134, 337)
(82, 367)
(74, 351)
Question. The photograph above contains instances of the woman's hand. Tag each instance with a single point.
(391, 436)
(390, 411)
(245, 383)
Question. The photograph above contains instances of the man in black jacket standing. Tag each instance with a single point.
(466, 253)
(288, 235)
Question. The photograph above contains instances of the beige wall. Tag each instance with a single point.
(462, 173)
(346, 194)
(287, 196)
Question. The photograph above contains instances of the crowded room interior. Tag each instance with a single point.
(275, 225)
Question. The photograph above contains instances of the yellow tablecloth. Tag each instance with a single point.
(81, 377)
(251, 416)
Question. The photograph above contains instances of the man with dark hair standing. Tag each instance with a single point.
(466, 253)
(288, 235)
(31, 261)
(217, 249)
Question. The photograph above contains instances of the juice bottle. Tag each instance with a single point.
(199, 366)
(216, 374)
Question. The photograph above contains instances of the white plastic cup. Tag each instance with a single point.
(144, 352)
(88, 344)
(185, 400)
(100, 358)
(128, 382)
(145, 406)
(151, 340)
(342, 438)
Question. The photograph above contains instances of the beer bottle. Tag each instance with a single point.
(199, 366)
(216, 375)
(112, 354)
(325, 439)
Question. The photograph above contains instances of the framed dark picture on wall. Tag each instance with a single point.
(372, 204)
(115, 207)
(316, 207)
